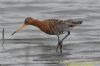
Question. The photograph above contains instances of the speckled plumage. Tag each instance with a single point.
(57, 26)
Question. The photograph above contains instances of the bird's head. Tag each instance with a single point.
(28, 21)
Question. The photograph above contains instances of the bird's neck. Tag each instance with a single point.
(40, 24)
(37, 23)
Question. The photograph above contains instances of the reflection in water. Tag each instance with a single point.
(31, 52)
(2, 45)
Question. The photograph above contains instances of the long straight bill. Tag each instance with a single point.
(19, 28)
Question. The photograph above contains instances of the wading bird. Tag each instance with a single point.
(52, 27)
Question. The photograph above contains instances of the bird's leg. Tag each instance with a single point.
(60, 43)
(65, 36)
(60, 46)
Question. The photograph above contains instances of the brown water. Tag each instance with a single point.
(31, 47)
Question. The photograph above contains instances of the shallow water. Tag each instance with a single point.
(31, 47)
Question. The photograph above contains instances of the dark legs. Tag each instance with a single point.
(58, 43)
(59, 46)
(61, 42)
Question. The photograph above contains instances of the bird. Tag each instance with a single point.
(52, 27)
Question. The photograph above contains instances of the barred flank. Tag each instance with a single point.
(57, 26)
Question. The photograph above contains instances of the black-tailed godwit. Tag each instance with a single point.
(52, 27)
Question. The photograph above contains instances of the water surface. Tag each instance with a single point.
(31, 47)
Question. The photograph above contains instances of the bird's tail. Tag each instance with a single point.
(72, 23)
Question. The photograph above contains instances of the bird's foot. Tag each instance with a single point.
(59, 46)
